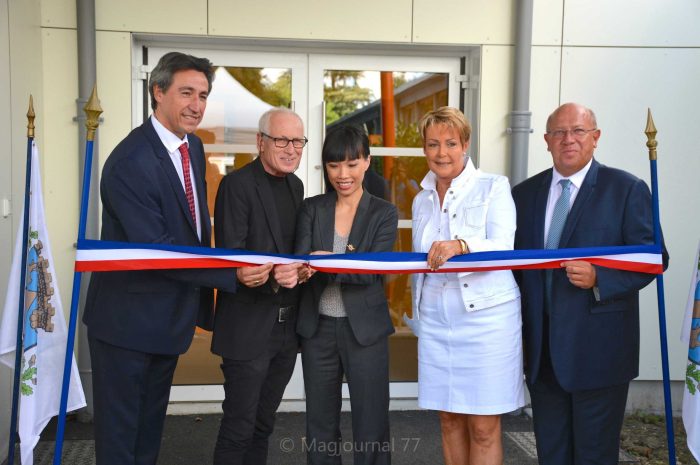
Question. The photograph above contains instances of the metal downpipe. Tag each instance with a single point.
(520, 116)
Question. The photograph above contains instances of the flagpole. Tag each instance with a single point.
(650, 132)
(19, 347)
(92, 110)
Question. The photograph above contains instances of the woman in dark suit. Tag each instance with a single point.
(344, 319)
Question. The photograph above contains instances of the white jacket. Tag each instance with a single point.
(481, 212)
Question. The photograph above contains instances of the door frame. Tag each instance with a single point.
(307, 61)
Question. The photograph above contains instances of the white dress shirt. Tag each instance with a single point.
(172, 144)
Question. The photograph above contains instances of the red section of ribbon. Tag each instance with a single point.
(156, 264)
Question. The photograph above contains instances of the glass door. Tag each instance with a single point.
(386, 95)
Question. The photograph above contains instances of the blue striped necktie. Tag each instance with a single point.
(561, 211)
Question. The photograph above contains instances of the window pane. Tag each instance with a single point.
(354, 97)
(238, 97)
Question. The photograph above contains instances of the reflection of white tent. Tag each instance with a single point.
(233, 107)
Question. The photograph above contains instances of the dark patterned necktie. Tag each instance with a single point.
(189, 193)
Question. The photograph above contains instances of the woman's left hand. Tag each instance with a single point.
(441, 251)
(306, 272)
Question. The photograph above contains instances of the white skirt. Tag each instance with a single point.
(468, 362)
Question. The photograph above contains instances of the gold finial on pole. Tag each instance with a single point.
(30, 117)
(650, 131)
(93, 110)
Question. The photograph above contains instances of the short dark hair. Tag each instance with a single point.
(345, 142)
(171, 63)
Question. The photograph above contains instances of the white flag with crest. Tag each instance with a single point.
(691, 336)
(44, 328)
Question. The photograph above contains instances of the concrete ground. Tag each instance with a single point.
(189, 440)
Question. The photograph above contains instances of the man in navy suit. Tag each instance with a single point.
(580, 322)
(153, 191)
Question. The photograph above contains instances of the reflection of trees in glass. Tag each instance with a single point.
(399, 79)
(407, 135)
(342, 93)
(277, 93)
(283, 87)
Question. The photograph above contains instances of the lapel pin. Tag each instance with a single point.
(351, 247)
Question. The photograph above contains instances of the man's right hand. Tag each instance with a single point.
(254, 276)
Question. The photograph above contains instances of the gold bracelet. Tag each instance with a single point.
(463, 245)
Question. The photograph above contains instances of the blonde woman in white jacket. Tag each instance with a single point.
(468, 325)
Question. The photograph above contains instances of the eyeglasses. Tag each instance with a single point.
(283, 142)
(576, 133)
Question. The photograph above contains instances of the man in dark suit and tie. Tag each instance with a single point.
(153, 191)
(580, 322)
(254, 329)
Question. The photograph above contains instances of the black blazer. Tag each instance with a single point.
(143, 201)
(245, 217)
(593, 344)
(373, 230)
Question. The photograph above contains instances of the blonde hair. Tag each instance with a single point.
(450, 117)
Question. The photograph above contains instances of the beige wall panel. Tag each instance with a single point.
(464, 21)
(620, 84)
(25, 75)
(25, 79)
(544, 98)
(153, 16)
(361, 20)
(546, 22)
(59, 152)
(114, 89)
(647, 23)
(496, 96)
(6, 224)
(58, 13)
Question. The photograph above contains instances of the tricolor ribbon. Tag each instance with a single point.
(122, 256)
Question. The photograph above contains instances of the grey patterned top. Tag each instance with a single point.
(331, 303)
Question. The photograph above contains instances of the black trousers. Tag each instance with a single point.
(575, 428)
(130, 394)
(253, 391)
(330, 353)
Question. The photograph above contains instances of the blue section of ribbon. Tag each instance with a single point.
(388, 256)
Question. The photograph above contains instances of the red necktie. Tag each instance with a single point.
(188, 182)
